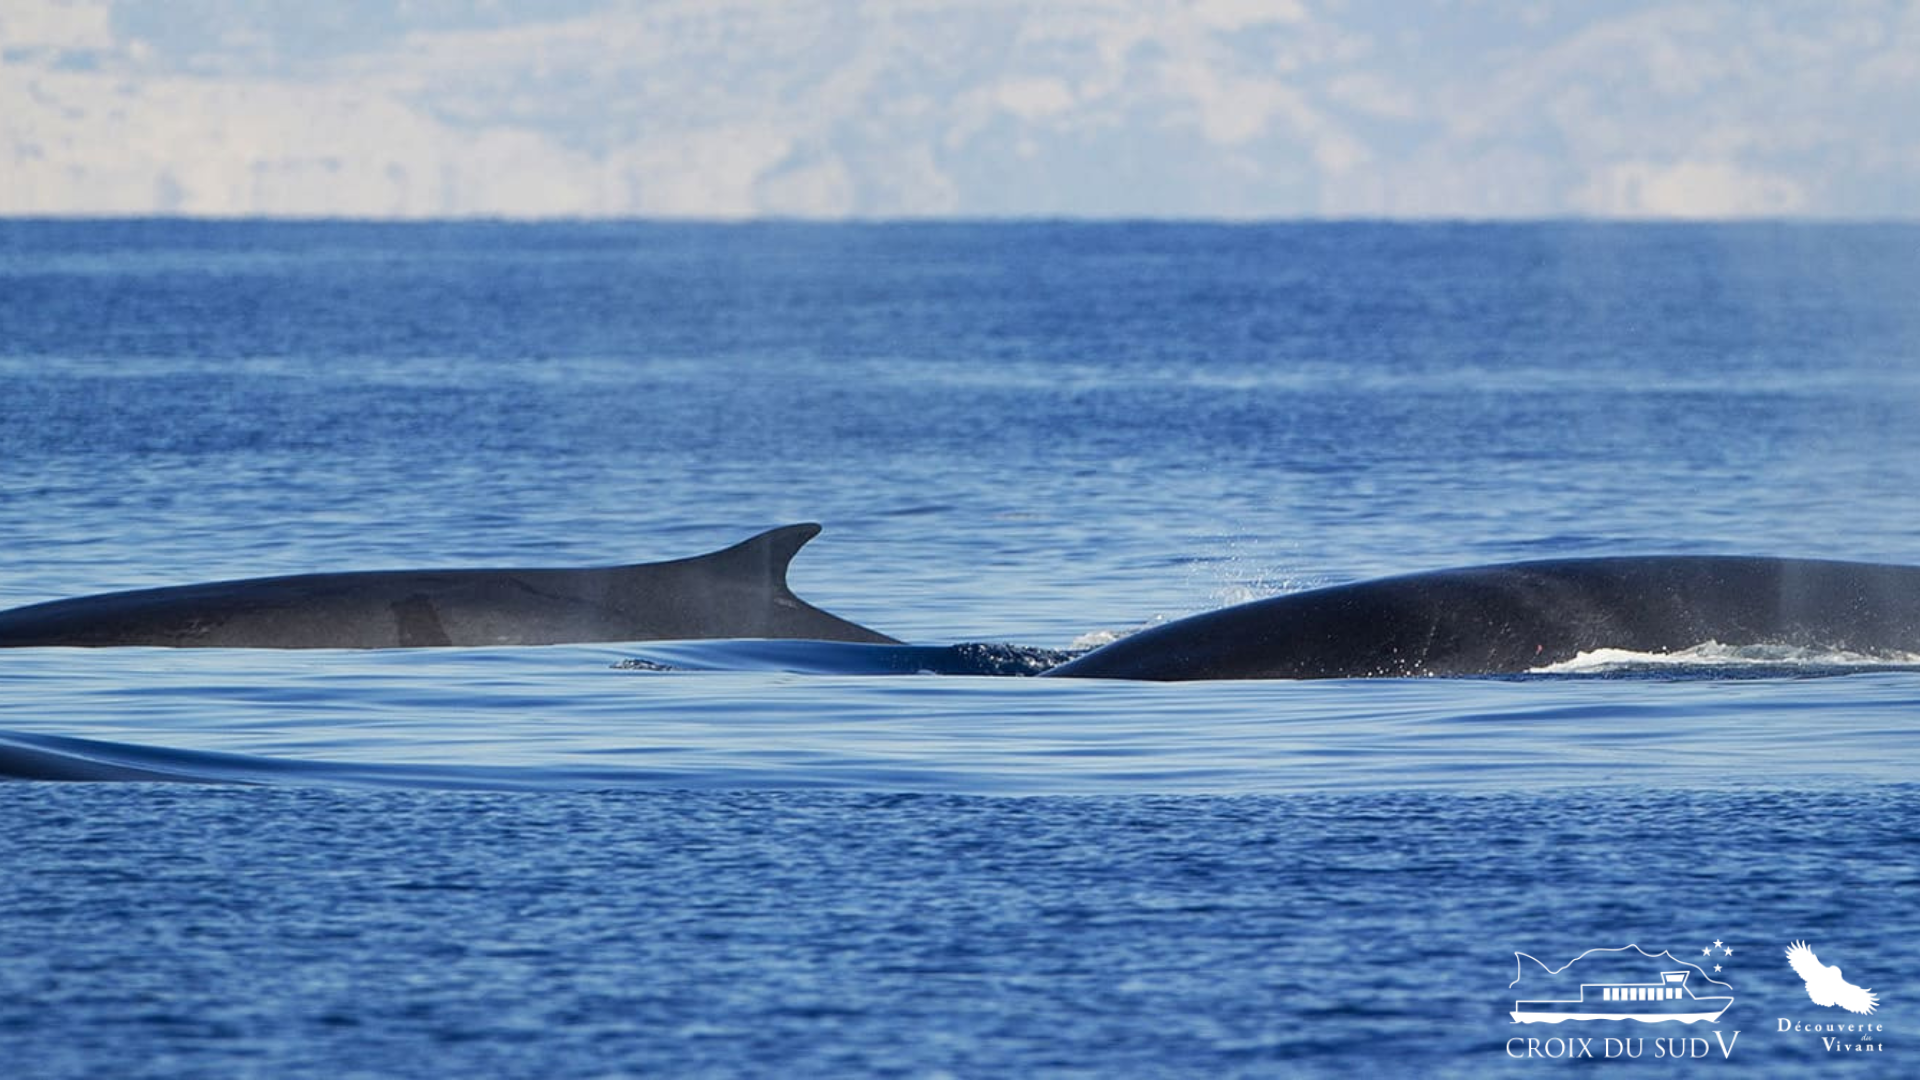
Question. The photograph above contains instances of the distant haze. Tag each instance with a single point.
(971, 108)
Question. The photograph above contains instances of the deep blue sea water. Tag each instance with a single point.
(742, 860)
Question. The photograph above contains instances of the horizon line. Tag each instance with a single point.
(748, 220)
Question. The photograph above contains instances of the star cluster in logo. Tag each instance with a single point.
(1725, 950)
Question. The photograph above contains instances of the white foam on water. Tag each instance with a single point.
(1713, 654)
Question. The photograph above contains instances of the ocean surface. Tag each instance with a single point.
(791, 859)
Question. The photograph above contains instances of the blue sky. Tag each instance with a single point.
(845, 109)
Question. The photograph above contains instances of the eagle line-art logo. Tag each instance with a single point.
(1824, 984)
(1667, 992)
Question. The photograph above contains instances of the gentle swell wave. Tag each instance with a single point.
(56, 757)
(25, 756)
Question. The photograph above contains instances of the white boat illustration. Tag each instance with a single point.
(1668, 999)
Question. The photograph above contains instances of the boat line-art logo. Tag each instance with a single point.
(1669, 997)
(1618, 985)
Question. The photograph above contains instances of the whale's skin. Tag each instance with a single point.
(1519, 617)
(739, 592)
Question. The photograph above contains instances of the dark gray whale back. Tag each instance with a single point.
(1523, 616)
(740, 592)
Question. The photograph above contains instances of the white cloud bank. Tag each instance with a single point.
(839, 108)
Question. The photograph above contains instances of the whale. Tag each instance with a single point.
(738, 592)
(1518, 617)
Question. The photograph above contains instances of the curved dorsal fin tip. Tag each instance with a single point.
(787, 538)
(777, 546)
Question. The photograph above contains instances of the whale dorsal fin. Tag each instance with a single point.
(760, 562)
(764, 557)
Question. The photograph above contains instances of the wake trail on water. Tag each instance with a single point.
(758, 730)
(844, 658)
